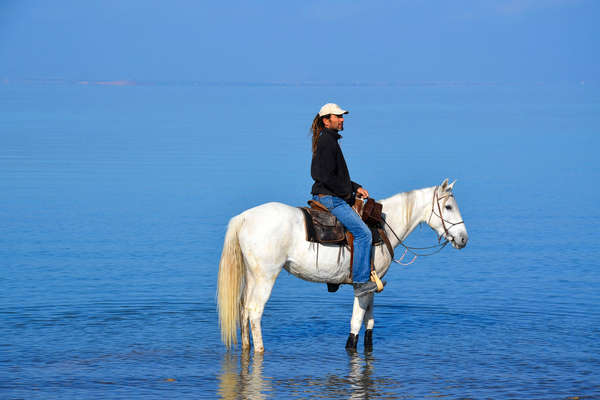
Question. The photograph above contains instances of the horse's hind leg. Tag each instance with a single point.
(244, 317)
(244, 328)
(258, 294)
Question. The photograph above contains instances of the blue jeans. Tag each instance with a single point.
(361, 268)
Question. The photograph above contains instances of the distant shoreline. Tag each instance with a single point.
(125, 82)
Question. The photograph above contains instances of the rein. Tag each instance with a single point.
(436, 200)
(411, 249)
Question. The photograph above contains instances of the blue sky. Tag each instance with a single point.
(322, 41)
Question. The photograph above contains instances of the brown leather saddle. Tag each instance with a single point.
(324, 228)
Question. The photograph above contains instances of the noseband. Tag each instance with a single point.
(436, 200)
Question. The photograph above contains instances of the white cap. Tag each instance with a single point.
(331, 108)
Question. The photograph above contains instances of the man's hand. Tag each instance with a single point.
(362, 192)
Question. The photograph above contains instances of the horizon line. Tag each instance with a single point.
(305, 83)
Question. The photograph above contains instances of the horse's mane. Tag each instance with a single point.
(408, 200)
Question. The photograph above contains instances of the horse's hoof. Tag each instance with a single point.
(352, 342)
(368, 339)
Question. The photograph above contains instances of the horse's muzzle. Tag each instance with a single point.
(459, 241)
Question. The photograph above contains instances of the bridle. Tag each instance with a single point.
(435, 201)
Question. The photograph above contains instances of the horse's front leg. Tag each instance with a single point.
(369, 323)
(358, 314)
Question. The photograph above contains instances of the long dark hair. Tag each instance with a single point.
(316, 128)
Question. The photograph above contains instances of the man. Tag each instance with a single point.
(334, 189)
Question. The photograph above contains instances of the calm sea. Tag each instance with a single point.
(114, 202)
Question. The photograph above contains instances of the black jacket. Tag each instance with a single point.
(329, 169)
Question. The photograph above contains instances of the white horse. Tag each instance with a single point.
(263, 240)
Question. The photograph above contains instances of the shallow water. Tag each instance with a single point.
(114, 202)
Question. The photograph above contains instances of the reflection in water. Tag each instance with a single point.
(242, 378)
(357, 381)
(248, 382)
(359, 376)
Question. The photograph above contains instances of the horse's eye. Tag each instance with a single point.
(448, 207)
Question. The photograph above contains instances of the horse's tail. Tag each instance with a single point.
(230, 283)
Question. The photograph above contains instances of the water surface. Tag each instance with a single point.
(114, 202)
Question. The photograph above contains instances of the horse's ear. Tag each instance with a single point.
(451, 186)
(444, 185)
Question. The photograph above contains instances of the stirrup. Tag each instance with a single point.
(377, 281)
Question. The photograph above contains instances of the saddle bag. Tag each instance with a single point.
(371, 212)
(321, 225)
(327, 228)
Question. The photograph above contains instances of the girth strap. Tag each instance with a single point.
(386, 240)
(350, 240)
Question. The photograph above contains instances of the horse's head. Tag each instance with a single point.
(445, 216)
